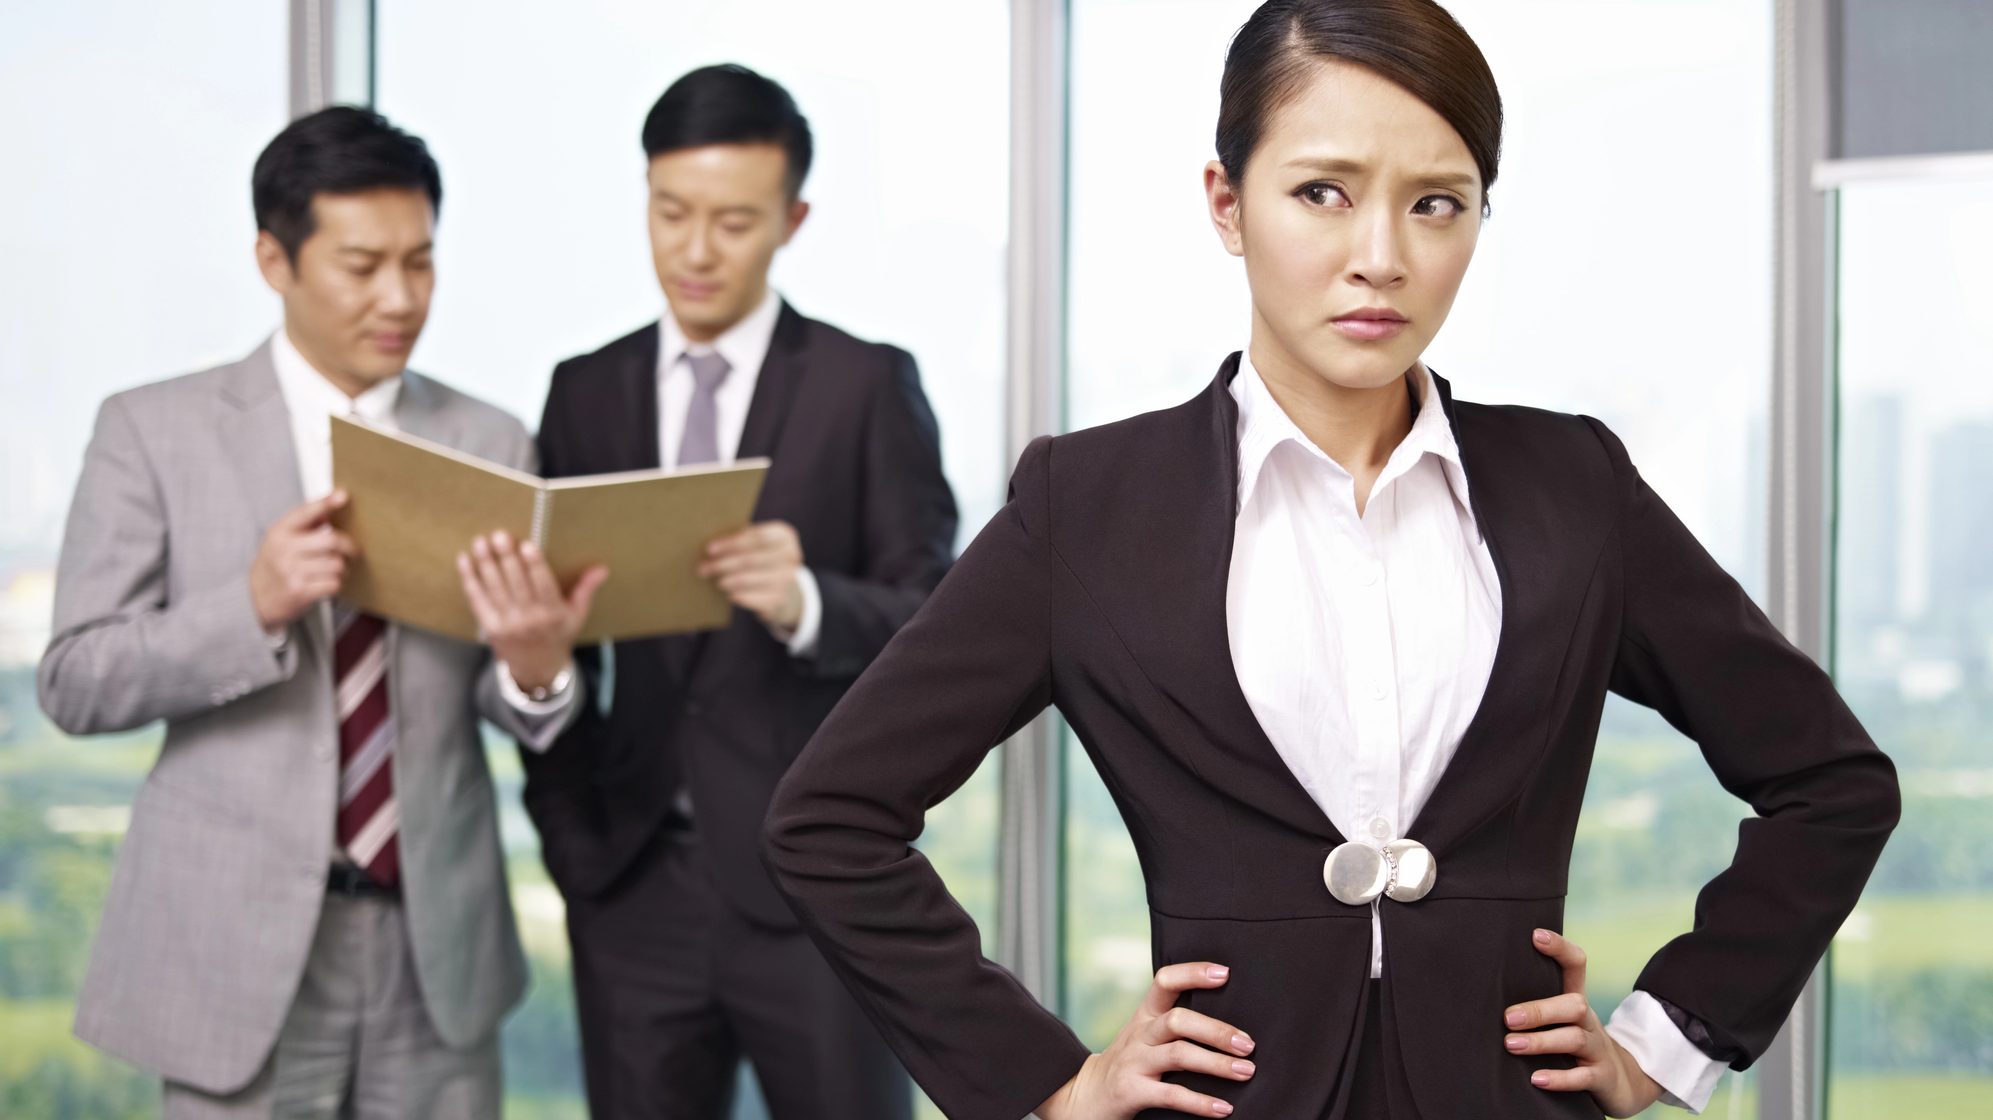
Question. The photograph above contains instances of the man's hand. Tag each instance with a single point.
(1604, 1069)
(301, 562)
(526, 620)
(1160, 1037)
(756, 569)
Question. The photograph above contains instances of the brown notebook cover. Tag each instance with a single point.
(415, 504)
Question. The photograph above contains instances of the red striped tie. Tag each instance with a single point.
(368, 818)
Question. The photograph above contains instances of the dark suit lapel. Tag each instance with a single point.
(638, 390)
(1171, 543)
(1545, 547)
(256, 435)
(775, 386)
(760, 434)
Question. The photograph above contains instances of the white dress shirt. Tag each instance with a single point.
(745, 347)
(1363, 643)
(312, 401)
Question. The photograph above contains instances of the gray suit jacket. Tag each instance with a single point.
(221, 877)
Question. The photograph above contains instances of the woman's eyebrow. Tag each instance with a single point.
(1332, 165)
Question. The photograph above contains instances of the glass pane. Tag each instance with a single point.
(1911, 1033)
(126, 231)
(1575, 302)
(543, 254)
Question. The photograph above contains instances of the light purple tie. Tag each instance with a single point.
(700, 442)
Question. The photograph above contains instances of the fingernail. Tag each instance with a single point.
(1243, 1069)
(1515, 1042)
(1543, 937)
(1539, 1079)
(1220, 1108)
(1217, 972)
(1516, 1019)
(1242, 1044)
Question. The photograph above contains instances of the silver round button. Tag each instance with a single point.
(1413, 870)
(1356, 873)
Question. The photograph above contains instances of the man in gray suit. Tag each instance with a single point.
(309, 915)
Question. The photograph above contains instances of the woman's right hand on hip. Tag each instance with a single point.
(1127, 1077)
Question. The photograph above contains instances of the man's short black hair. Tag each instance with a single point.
(729, 104)
(339, 150)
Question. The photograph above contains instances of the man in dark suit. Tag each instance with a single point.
(649, 807)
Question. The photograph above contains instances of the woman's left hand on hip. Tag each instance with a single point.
(1566, 1024)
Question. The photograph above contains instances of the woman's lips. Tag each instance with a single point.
(1369, 329)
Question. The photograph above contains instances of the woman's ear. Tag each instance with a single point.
(1224, 201)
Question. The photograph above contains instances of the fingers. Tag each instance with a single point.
(1190, 1057)
(481, 605)
(517, 583)
(754, 560)
(539, 577)
(1179, 1099)
(1183, 1023)
(314, 513)
(582, 599)
(1566, 953)
(1575, 1079)
(485, 561)
(762, 536)
(326, 541)
(755, 585)
(1570, 1007)
(1172, 979)
(1556, 1040)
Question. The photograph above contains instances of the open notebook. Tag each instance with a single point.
(415, 504)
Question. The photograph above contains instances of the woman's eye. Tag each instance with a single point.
(1439, 206)
(1323, 194)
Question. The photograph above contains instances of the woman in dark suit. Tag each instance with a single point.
(1338, 645)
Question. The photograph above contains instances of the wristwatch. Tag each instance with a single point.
(537, 695)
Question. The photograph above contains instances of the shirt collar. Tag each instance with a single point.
(1265, 426)
(744, 345)
(309, 395)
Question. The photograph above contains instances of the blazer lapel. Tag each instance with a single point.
(639, 392)
(1544, 547)
(774, 387)
(767, 412)
(256, 435)
(1185, 493)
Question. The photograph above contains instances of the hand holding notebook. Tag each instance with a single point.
(415, 505)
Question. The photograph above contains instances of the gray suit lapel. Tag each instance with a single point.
(256, 436)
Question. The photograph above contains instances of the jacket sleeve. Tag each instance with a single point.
(909, 524)
(971, 667)
(124, 651)
(1694, 647)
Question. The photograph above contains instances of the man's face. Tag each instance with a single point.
(717, 216)
(358, 294)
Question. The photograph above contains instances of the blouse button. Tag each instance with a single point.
(1380, 828)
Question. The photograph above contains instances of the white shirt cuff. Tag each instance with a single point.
(540, 718)
(803, 642)
(1687, 1076)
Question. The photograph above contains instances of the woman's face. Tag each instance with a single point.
(1357, 219)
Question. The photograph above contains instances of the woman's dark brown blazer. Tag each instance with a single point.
(1100, 588)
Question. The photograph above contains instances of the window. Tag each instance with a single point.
(126, 228)
(1911, 1001)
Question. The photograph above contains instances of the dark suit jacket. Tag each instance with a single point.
(1100, 588)
(857, 470)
